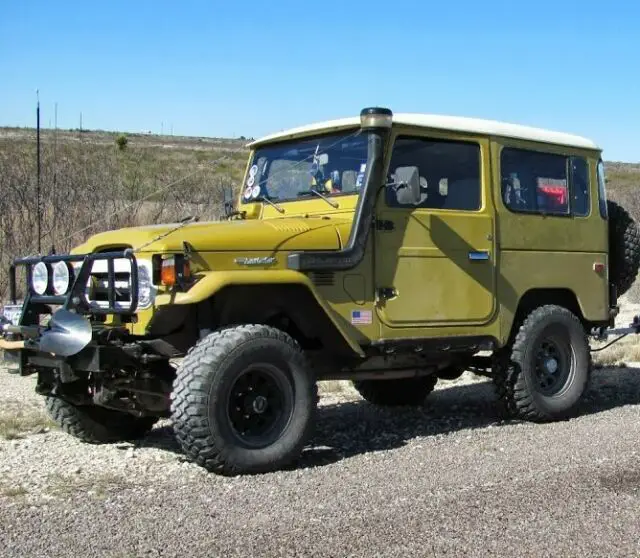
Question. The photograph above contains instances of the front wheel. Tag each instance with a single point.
(548, 368)
(96, 425)
(244, 400)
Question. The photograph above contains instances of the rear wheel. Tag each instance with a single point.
(548, 368)
(244, 400)
(96, 425)
(402, 391)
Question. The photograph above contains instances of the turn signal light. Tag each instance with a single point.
(174, 270)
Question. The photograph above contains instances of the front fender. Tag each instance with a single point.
(214, 281)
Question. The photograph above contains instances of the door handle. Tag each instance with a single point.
(478, 255)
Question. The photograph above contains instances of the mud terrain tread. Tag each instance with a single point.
(403, 391)
(95, 425)
(190, 396)
(514, 396)
(624, 247)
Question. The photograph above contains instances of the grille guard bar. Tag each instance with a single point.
(74, 299)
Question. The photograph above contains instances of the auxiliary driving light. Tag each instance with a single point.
(61, 278)
(40, 278)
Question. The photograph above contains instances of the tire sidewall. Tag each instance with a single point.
(571, 334)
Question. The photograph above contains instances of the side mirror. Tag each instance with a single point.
(407, 185)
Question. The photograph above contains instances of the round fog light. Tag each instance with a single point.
(61, 278)
(40, 278)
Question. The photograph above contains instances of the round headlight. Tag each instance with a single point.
(40, 278)
(61, 278)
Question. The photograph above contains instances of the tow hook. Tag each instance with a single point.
(603, 333)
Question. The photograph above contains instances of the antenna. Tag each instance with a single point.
(39, 216)
(55, 146)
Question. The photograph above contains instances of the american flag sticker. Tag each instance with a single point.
(359, 317)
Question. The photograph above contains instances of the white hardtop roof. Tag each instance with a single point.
(457, 123)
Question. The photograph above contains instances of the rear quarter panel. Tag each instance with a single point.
(550, 252)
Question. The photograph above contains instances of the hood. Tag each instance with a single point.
(249, 234)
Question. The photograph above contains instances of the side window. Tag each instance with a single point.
(449, 173)
(534, 182)
(602, 191)
(580, 200)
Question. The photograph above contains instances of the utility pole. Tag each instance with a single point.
(39, 216)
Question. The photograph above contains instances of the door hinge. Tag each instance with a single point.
(385, 293)
(384, 225)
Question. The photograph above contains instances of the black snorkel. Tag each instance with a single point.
(376, 122)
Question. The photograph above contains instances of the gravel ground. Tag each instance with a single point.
(447, 480)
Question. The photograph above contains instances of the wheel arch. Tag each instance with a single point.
(282, 298)
(290, 307)
(536, 297)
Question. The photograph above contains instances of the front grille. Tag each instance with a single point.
(97, 292)
(322, 278)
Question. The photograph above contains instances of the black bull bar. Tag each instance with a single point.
(74, 299)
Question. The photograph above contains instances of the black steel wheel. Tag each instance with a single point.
(260, 405)
(244, 400)
(555, 364)
(544, 374)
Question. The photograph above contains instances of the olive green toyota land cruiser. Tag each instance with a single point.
(392, 250)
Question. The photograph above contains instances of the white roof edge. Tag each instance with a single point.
(444, 122)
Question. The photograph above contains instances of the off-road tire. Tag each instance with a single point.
(203, 390)
(97, 425)
(514, 370)
(624, 248)
(398, 392)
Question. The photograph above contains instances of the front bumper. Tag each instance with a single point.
(28, 339)
(76, 299)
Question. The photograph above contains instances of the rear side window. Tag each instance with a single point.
(534, 182)
(547, 183)
(602, 191)
(449, 172)
(580, 199)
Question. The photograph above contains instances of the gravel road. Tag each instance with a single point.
(447, 480)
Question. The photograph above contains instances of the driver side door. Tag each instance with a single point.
(435, 257)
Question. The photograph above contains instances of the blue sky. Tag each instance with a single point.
(250, 68)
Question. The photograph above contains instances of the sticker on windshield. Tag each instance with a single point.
(256, 191)
(250, 181)
(253, 170)
(363, 167)
(247, 193)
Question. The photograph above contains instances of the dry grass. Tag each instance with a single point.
(335, 387)
(17, 421)
(623, 352)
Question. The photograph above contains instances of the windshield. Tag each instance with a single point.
(328, 165)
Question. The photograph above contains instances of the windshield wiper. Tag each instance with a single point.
(264, 198)
(313, 191)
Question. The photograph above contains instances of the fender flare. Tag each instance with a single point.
(211, 282)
